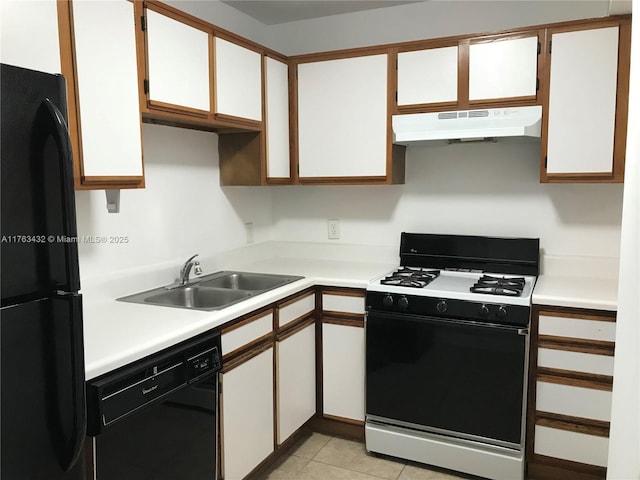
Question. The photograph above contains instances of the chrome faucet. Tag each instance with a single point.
(186, 269)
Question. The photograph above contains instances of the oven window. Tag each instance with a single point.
(444, 374)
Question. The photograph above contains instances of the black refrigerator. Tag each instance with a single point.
(42, 400)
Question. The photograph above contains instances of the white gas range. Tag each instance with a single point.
(447, 353)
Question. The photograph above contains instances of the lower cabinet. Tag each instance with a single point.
(571, 379)
(343, 355)
(296, 380)
(246, 407)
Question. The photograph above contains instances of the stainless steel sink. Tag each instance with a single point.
(246, 281)
(212, 292)
(197, 297)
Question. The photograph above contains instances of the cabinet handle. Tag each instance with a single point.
(149, 390)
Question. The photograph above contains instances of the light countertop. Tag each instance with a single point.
(578, 282)
(117, 333)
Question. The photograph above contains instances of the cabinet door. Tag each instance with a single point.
(428, 76)
(296, 381)
(277, 118)
(107, 92)
(342, 118)
(343, 371)
(582, 101)
(178, 64)
(247, 415)
(238, 80)
(504, 68)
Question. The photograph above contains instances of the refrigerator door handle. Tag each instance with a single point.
(79, 428)
(63, 143)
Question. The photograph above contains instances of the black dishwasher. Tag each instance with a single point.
(157, 418)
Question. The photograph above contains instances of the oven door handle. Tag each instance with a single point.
(407, 317)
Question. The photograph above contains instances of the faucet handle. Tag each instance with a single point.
(198, 269)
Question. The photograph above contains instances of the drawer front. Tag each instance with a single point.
(244, 334)
(573, 446)
(573, 401)
(296, 309)
(583, 328)
(342, 303)
(575, 361)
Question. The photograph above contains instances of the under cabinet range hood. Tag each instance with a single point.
(468, 125)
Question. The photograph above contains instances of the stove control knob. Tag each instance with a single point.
(484, 310)
(442, 306)
(502, 311)
(403, 302)
(387, 300)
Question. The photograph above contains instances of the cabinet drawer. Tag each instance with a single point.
(573, 401)
(575, 361)
(297, 308)
(573, 446)
(583, 328)
(236, 336)
(342, 303)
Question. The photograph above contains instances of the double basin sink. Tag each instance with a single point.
(212, 292)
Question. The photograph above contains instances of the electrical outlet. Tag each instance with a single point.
(248, 228)
(333, 229)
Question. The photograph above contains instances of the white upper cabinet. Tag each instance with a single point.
(29, 35)
(582, 101)
(178, 63)
(505, 68)
(107, 90)
(277, 118)
(238, 80)
(428, 76)
(342, 117)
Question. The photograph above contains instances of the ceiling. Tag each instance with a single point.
(271, 12)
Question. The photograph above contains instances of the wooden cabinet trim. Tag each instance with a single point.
(296, 297)
(171, 108)
(243, 354)
(573, 424)
(343, 291)
(549, 468)
(345, 319)
(246, 319)
(571, 312)
(597, 347)
(295, 326)
(575, 379)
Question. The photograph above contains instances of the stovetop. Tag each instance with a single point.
(460, 284)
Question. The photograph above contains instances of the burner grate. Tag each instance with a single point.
(411, 277)
(499, 285)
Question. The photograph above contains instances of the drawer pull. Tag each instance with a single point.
(148, 390)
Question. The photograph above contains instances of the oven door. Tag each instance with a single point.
(448, 376)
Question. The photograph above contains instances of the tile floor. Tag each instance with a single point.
(322, 457)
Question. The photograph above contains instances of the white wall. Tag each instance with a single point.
(624, 443)
(29, 34)
(422, 20)
(182, 211)
(477, 189)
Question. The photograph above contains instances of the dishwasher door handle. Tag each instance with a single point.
(148, 390)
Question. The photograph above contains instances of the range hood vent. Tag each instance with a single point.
(468, 124)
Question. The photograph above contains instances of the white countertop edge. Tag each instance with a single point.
(574, 302)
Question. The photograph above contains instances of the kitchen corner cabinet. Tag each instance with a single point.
(238, 81)
(177, 62)
(343, 121)
(570, 385)
(343, 368)
(102, 93)
(261, 158)
(584, 131)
